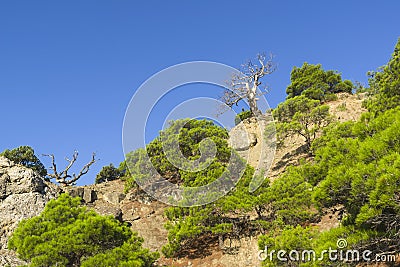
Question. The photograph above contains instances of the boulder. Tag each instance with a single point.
(113, 197)
(89, 195)
(241, 138)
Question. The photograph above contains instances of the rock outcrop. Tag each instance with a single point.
(143, 215)
(241, 138)
(251, 142)
(23, 194)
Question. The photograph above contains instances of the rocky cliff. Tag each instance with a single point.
(23, 194)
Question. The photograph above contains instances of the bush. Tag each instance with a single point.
(315, 83)
(301, 116)
(186, 134)
(385, 84)
(25, 155)
(245, 114)
(67, 234)
(108, 173)
(291, 238)
(129, 254)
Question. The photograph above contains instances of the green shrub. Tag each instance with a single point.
(108, 173)
(25, 155)
(188, 134)
(301, 116)
(385, 85)
(315, 83)
(67, 234)
(245, 114)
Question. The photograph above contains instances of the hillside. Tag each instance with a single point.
(346, 108)
(146, 216)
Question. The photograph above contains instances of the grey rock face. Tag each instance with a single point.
(19, 180)
(74, 191)
(5, 162)
(255, 141)
(239, 138)
(113, 197)
(16, 208)
(23, 194)
(89, 195)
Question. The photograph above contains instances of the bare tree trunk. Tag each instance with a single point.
(244, 86)
(252, 98)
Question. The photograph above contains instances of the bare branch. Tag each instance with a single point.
(54, 166)
(84, 170)
(71, 162)
(63, 177)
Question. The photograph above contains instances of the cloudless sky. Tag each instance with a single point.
(68, 69)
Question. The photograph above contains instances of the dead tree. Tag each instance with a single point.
(245, 85)
(63, 178)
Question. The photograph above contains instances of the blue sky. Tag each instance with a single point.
(68, 69)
